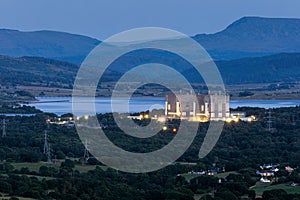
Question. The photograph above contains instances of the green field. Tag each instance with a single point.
(86, 168)
(225, 174)
(36, 166)
(6, 196)
(20, 198)
(33, 166)
(189, 177)
(261, 187)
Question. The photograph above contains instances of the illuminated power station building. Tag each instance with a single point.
(207, 107)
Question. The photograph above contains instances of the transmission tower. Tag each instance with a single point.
(86, 154)
(293, 120)
(47, 148)
(269, 120)
(49, 160)
(4, 127)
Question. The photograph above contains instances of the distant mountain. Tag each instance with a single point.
(49, 44)
(246, 37)
(253, 36)
(283, 67)
(33, 71)
(37, 71)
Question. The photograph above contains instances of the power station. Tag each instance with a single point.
(198, 107)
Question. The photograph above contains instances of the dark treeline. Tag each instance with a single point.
(242, 148)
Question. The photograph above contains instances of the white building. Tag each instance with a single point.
(204, 108)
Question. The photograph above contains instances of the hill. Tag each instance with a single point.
(36, 71)
(49, 44)
(253, 36)
(284, 67)
(47, 72)
(246, 37)
(267, 69)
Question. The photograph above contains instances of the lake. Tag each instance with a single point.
(16, 115)
(62, 105)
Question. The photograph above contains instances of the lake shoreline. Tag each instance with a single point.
(62, 105)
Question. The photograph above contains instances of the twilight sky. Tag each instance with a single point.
(103, 18)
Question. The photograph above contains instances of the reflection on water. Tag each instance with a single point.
(264, 103)
(15, 114)
(62, 105)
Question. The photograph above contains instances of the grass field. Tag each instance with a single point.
(20, 198)
(261, 187)
(6, 196)
(86, 168)
(33, 166)
(225, 174)
(189, 177)
(36, 166)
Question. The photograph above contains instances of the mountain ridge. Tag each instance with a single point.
(44, 43)
(253, 36)
(245, 37)
(283, 67)
(43, 71)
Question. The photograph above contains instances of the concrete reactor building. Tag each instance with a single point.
(200, 108)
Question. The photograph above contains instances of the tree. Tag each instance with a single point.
(67, 164)
(251, 194)
(206, 197)
(278, 194)
(5, 187)
(227, 195)
(43, 171)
